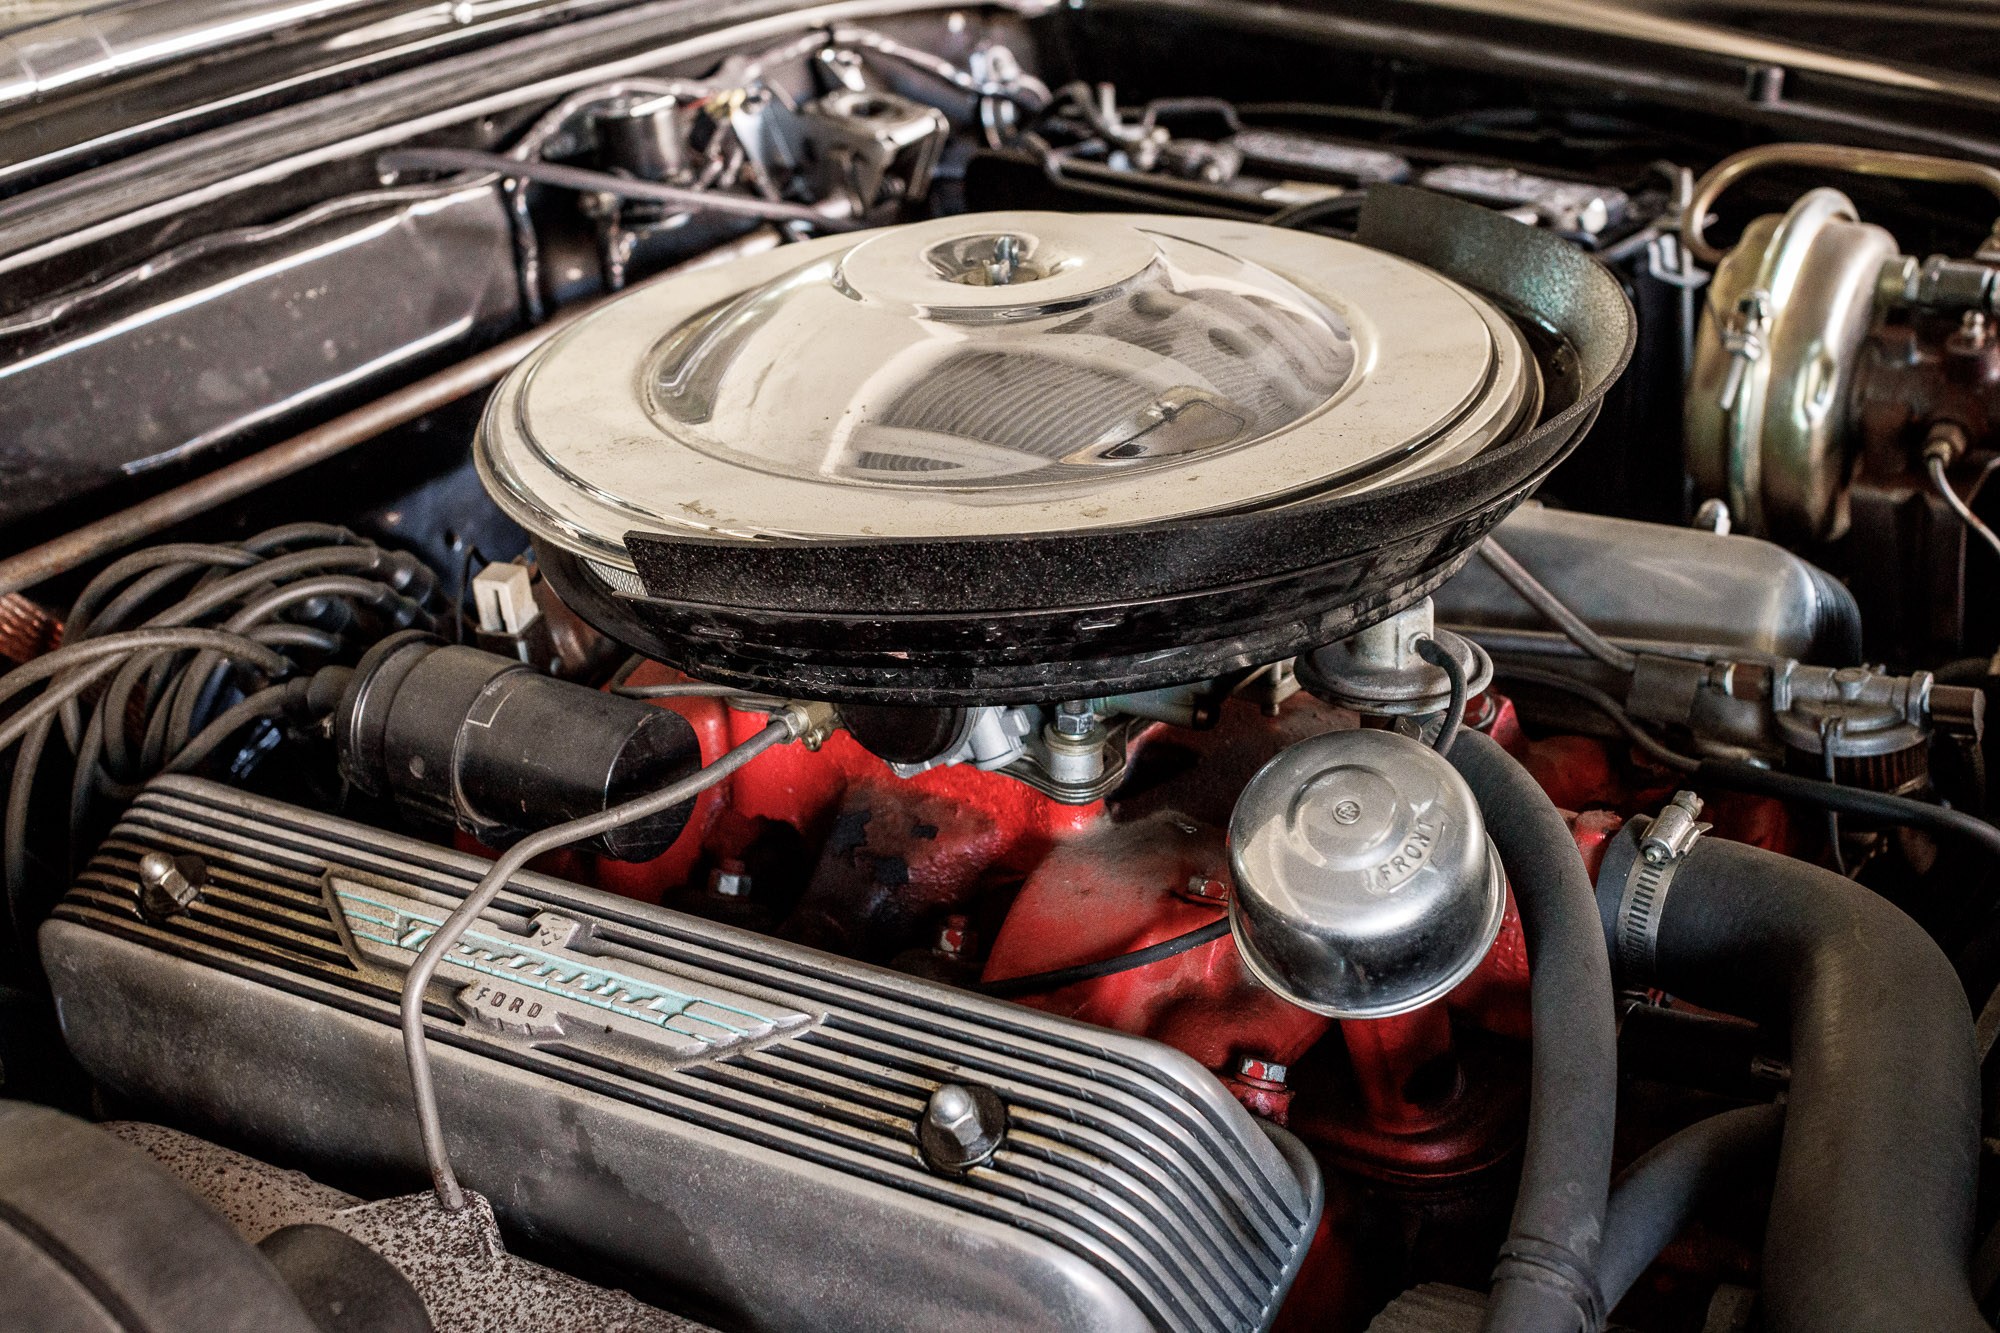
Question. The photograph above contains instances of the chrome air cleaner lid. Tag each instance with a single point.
(1001, 373)
(1010, 457)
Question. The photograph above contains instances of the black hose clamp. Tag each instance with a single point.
(1545, 1264)
(1664, 844)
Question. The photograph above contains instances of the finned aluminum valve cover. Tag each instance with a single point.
(995, 374)
(729, 1115)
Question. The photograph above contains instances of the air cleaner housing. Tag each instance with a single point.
(1017, 456)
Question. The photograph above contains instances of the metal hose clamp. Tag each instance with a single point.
(1662, 848)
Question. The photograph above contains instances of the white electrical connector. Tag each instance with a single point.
(504, 595)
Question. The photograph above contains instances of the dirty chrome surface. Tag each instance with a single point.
(730, 1115)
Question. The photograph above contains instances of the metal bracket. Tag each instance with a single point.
(1743, 338)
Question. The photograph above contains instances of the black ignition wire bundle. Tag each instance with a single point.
(173, 652)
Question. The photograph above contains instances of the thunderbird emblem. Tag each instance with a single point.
(554, 982)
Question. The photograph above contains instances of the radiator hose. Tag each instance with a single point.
(1871, 1215)
(1653, 1199)
(1546, 1280)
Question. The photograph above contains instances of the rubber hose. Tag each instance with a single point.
(1653, 1199)
(1859, 801)
(1871, 1215)
(1546, 1279)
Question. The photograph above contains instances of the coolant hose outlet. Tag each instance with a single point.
(1872, 1213)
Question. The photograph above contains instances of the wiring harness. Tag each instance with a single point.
(187, 656)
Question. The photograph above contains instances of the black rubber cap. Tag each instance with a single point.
(96, 1235)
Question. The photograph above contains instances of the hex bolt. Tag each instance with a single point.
(1206, 889)
(952, 1110)
(731, 880)
(1075, 718)
(951, 937)
(168, 885)
(961, 1128)
(1265, 1071)
(1973, 332)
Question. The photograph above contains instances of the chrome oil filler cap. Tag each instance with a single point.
(1366, 885)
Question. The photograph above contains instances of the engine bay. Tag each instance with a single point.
(1107, 666)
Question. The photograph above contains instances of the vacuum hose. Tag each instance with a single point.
(1871, 1215)
(1546, 1280)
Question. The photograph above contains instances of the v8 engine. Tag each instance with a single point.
(889, 667)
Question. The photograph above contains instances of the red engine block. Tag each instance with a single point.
(830, 848)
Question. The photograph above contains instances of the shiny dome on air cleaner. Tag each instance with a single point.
(1001, 373)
